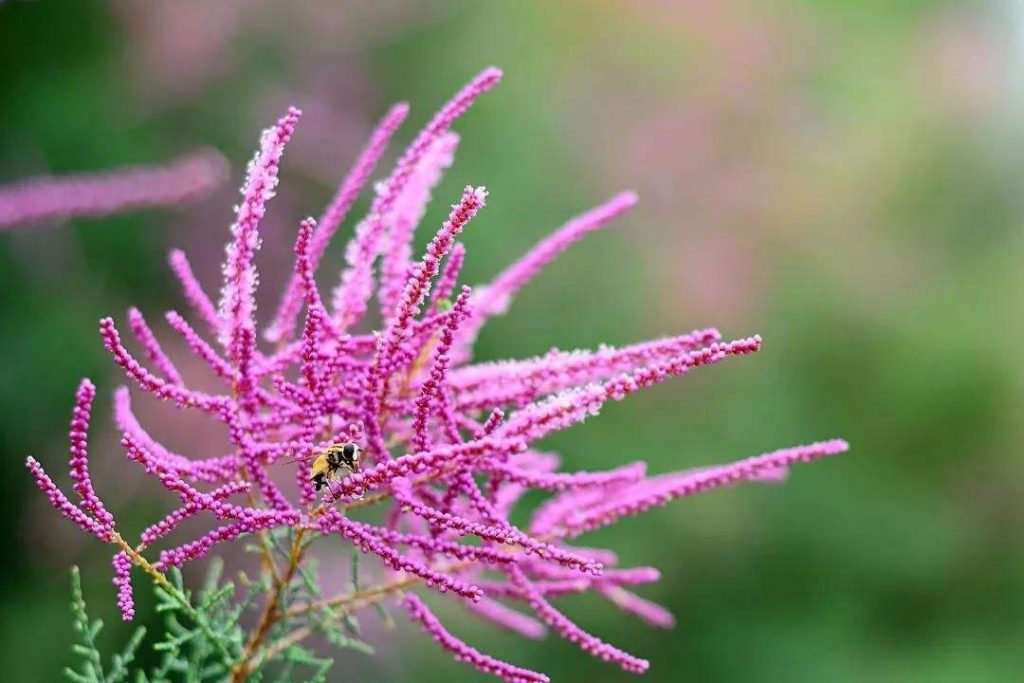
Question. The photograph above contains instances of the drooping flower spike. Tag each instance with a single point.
(447, 444)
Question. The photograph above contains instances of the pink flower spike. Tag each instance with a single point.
(156, 531)
(502, 533)
(564, 481)
(332, 218)
(410, 206)
(193, 291)
(150, 382)
(658, 491)
(563, 369)
(123, 581)
(651, 612)
(313, 367)
(206, 501)
(574, 634)
(436, 385)
(197, 549)
(200, 347)
(570, 583)
(353, 292)
(432, 545)
(575, 405)
(462, 652)
(79, 447)
(492, 422)
(449, 276)
(238, 296)
(553, 511)
(154, 351)
(213, 469)
(508, 618)
(101, 194)
(433, 462)
(64, 506)
(371, 543)
(304, 264)
(416, 289)
(495, 297)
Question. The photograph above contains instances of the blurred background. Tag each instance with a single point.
(841, 177)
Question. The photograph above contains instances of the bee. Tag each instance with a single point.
(330, 462)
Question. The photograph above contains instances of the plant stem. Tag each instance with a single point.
(271, 611)
(279, 646)
(368, 596)
(161, 580)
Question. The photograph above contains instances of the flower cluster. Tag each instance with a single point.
(448, 444)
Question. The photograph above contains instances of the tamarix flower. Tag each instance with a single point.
(445, 444)
(100, 194)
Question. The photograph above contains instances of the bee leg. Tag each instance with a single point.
(330, 490)
(318, 481)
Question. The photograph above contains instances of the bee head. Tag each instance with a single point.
(346, 455)
(352, 454)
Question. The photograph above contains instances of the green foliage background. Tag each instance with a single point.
(859, 207)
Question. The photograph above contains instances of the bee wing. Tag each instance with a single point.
(300, 458)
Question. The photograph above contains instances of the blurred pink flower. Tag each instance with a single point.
(100, 194)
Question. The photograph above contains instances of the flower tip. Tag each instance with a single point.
(399, 110)
(491, 75)
(216, 164)
(627, 198)
(480, 193)
(838, 445)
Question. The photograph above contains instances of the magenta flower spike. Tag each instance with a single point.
(508, 618)
(79, 464)
(193, 291)
(494, 298)
(449, 276)
(631, 603)
(64, 506)
(353, 293)
(238, 295)
(419, 612)
(96, 195)
(401, 417)
(123, 582)
(155, 353)
(408, 211)
(590, 644)
(333, 217)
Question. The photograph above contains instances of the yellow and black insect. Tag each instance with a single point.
(330, 463)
